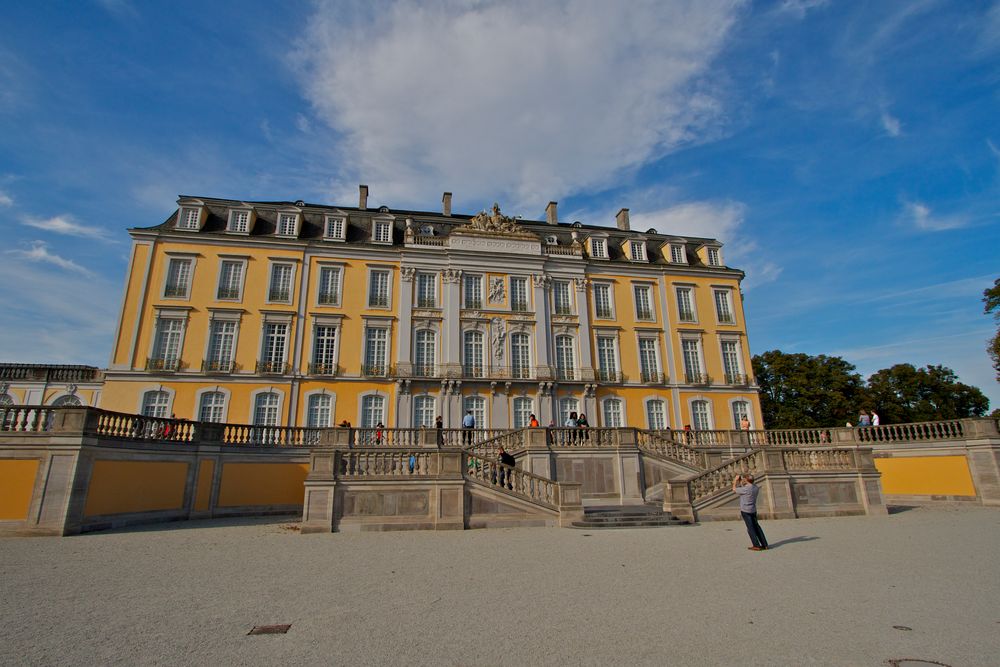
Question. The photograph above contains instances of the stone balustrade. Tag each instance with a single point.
(520, 483)
(652, 441)
(382, 463)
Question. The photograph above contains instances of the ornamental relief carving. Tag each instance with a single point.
(564, 319)
(451, 275)
(406, 273)
(497, 290)
(495, 223)
(581, 284)
(541, 281)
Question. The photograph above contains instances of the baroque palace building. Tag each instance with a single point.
(287, 313)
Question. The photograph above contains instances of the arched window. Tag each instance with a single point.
(520, 359)
(523, 407)
(478, 406)
(656, 414)
(424, 349)
(423, 411)
(700, 415)
(155, 404)
(372, 411)
(318, 411)
(566, 406)
(265, 409)
(68, 400)
(211, 406)
(565, 362)
(741, 409)
(613, 413)
(472, 354)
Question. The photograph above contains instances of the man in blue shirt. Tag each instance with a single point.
(468, 423)
(747, 492)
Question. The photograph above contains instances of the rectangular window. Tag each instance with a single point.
(565, 359)
(643, 302)
(656, 415)
(477, 405)
(607, 359)
(677, 254)
(189, 217)
(376, 345)
(520, 360)
(602, 301)
(741, 409)
(519, 294)
(230, 280)
(699, 415)
(239, 221)
(324, 350)
(382, 232)
(613, 413)
(685, 305)
(272, 355)
(598, 248)
(318, 411)
(713, 257)
(281, 283)
(423, 411)
(167, 346)
(692, 362)
(265, 409)
(472, 354)
(722, 307)
(221, 345)
(178, 278)
(378, 289)
(372, 411)
(731, 362)
(329, 286)
(426, 290)
(286, 224)
(212, 405)
(424, 353)
(334, 228)
(638, 251)
(560, 297)
(473, 288)
(522, 412)
(649, 364)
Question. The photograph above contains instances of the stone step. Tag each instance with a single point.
(627, 516)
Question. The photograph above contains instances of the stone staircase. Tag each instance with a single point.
(649, 515)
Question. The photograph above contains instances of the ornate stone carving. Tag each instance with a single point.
(541, 281)
(494, 223)
(498, 332)
(451, 275)
(581, 284)
(406, 273)
(497, 291)
(71, 389)
(4, 386)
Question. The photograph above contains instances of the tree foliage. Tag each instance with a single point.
(907, 394)
(991, 300)
(802, 391)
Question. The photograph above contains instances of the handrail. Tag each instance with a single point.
(651, 441)
(385, 463)
(582, 437)
(510, 480)
(721, 477)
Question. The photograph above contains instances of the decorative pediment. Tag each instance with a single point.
(495, 223)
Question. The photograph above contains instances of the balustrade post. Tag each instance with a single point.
(336, 437)
(318, 506)
(979, 428)
(844, 436)
(570, 503)
(677, 500)
(82, 420)
(208, 433)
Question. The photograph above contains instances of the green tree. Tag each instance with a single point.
(802, 391)
(907, 394)
(991, 299)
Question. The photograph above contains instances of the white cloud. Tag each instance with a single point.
(5, 199)
(68, 226)
(890, 124)
(39, 252)
(801, 7)
(528, 101)
(919, 215)
(302, 123)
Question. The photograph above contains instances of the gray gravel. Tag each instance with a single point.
(828, 593)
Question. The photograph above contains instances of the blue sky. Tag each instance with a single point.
(847, 153)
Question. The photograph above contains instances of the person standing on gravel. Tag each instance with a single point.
(747, 491)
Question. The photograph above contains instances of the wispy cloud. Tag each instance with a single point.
(122, 9)
(38, 251)
(525, 101)
(890, 124)
(5, 199)
(68, 226)
(919, 215)
(801, 7)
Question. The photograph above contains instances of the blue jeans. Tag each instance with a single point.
(754, 530)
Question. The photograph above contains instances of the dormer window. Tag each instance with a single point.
(551, 240)
(598, 248)
(677, 254)
(637, 251)
(239, 221)
(335, 228)
(288, 224)
(714, 257)
(382, 231)
(427, 230)
(189, 218)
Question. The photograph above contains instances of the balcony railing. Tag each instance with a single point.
(604, 314)
(321, 368)
(686, 316)
(425, 371)
(425, 302)
(427, 240)
(170, 365)
(375, 370)
(697, 378)
(562, 250)
(519, 306)
(228, 293)
(217, 366)
(644, 315)
(279, 295)
(378, 301)
(473, 370)
(175, 290)
(473, 303)
(272, 367)
(563, 309)
(329, 299)
(652, 377)
(738, 379)
(565, 373)
(726, 318)
(608, 375)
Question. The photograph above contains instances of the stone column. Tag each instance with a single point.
(404, 347)
(543, 341)
(451, 328)
(449, 491)
(586, 359)
(538, 458)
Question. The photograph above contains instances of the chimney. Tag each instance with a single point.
(622, 219)
(446, 203)
(363, 199)
(551, 216)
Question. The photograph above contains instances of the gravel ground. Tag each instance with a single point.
(829, 592)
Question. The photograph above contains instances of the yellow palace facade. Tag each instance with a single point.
(288, 313)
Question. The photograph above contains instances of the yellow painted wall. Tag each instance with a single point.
(262, 484)
(117, 487)
(926, 476)
(17, 484)
(203, 490)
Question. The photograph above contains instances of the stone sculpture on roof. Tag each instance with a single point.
(494, 223)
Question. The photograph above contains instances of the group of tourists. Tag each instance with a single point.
(866, 419)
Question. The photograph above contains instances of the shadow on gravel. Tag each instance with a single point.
(198, 524)
(899, 509)
(790, 540)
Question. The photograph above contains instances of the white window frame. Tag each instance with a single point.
(604, 411)
(517, 371)
(478, 370)
(557, 287)
(666, 413)
(387, 271)
(657, 370)
(424, 366)
(689, 289)
(280, 220)
(710, 416)
(727, 295)
(637, 251)
(279, 410)
(168, 405)
(337, 298)
(154, 344)
(215, 319)
(749, 411)
(334, 362)
(263, 343)
(521, 280)
(383, 410)
(334, 221)
(425, 278)
(648, 289)
(480, 414)
(611, 300)
(199, 397)
(231, 221)
(378, 227)
(616, 372)
(183, 218)
(419, 404)
(564, 372)
(274, 265)
(472, 279)
(375, 367)
(594, 253)
(699, 349)
(178, 260)
(740, 368)
(223, 260)
(308, 397)
(678, 255)
(564, 406)
(714, 257)
(516, 419)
